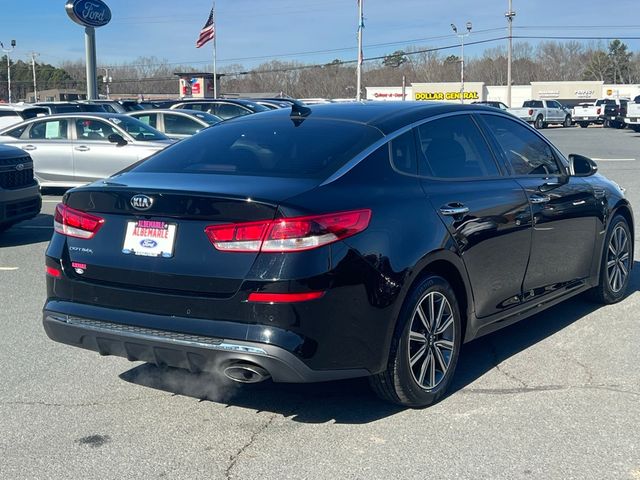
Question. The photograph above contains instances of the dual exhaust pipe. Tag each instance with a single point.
(245, 372)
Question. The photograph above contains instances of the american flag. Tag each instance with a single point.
(208, 32)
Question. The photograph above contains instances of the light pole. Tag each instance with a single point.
(33, 68)
(8, 50)
(461, 37)
(106, 80)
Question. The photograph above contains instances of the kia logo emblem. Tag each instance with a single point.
(20, 167)
(141, 202)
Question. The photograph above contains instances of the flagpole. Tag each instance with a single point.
(360, 59)
(215, 36)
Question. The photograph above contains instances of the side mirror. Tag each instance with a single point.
(581, 166)
(117, 139)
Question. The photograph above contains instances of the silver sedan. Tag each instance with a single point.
(73, 149)
(176, 124)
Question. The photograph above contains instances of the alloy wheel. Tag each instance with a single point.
(618, 259)
(431, 340)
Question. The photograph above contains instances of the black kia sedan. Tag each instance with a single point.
(334, 241)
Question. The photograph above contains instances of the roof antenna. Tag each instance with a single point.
(299, 112)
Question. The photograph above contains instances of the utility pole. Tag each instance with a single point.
(8, 50)
(510, 14)
(33, 67)
(360, 55)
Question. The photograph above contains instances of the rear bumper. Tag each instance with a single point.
(180, 350)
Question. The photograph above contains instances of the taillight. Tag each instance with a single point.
(599, 110)
(259, 297)
(530, 111)
(288, 234)
(54, 272)
(74, 223)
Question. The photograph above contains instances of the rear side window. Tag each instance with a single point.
(275, 147)
(149, 119)
(453, 147)
(226, 110)
(532, 104)
(50, 130)
(179, 125)
(526, 151)
(9, 113)
(403, 153)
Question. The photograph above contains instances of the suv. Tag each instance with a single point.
(10, 114)
(223, 108)
(19, 194)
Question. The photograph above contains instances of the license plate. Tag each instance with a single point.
(585, 118)
(149, 238)
(612, 118)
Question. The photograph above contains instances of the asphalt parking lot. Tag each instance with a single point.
(556, 396)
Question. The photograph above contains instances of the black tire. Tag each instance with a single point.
(620, 125)
(608, 290)
(583, 124)
(606, 124)
(538, 123)
(567, 121)
(400, 382)
(635, 128)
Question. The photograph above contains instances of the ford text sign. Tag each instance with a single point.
(88, 13)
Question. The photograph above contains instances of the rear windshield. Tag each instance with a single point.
(532, 104)
(266, 147)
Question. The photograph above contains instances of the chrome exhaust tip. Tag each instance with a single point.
(246, 373)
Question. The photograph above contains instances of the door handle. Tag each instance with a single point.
(28, 148)
(82, 148)
(578, 203)
(537, 199)
(452, 209)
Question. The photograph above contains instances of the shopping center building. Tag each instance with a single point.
(569, 93)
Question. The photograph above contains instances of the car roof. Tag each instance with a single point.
(18, 107)
(385, 116)
(239, 101)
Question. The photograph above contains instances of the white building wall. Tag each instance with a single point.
(519, 93)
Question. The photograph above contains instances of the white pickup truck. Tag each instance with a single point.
(632, 119)
(542, 112)
(585, 114)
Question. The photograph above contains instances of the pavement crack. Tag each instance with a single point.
(547, 388)
(70, 405)
(233, 459)
(510, 376)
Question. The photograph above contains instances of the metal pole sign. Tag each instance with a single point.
(91, 14)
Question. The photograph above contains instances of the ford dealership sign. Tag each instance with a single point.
(88, 13)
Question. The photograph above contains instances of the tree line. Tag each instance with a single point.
(546, 61)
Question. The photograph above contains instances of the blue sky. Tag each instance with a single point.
(251, 32)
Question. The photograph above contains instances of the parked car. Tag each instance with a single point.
(632, 118)
(492, 103)
(541, 113)
(615, 111)
(332, 242)
(19, 194)
(157, 104)
(115, 106)
(71, 107)
(73, 149)
(176, 124)
(10, 114)
(223, 108)
(585, 114)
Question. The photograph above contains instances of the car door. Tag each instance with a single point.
(94, 156)
(486, 212)
(48, 142)
(564, 208)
